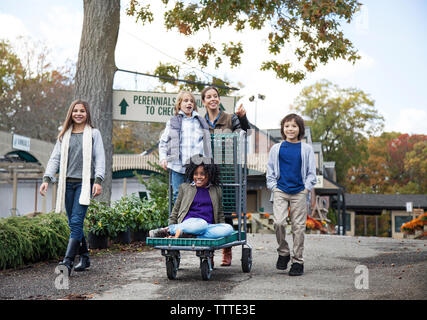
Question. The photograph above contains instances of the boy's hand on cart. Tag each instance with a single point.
(96, 190)
(43, 188)
(164, 164)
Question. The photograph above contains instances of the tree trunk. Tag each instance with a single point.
(95, 73)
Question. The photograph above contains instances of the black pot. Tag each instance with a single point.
(97, 242)
(122, 237)
(139, 235)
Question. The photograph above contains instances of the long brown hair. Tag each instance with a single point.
(203, 94)
(69, 120)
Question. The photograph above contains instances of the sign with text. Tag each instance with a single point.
(21, 142)
(319, 182)
(155, 106)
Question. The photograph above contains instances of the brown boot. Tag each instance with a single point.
(226, 257)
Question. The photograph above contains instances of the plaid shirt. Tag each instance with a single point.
(191, 142)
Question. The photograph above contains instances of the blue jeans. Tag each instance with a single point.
(75, 211)
(177, 180)
(202, 229)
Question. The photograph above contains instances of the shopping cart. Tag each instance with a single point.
(230, 153)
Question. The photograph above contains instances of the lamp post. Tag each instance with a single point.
(252, 98)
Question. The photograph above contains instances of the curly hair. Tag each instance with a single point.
(209, 167)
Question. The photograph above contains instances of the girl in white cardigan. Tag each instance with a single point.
(79, 155)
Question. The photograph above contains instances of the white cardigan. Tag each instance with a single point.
(59, 159)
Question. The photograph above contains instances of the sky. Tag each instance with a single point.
(390, 36)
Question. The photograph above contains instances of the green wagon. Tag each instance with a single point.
(230, 153)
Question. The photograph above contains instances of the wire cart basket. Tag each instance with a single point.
(230, 154)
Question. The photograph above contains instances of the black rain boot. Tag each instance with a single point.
(70, 254)
(84, 261)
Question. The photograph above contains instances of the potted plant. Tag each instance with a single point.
(97, 222)
(131, 207)
(119, 225)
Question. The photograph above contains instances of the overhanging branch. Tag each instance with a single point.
(179, 80)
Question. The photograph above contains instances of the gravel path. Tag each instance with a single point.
(396, 270)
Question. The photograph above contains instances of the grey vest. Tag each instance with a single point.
(173, 153)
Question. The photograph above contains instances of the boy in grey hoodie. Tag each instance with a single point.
(291, 174)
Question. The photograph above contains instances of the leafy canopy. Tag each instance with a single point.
(341, 119)
(32, 102)
(394, 163)
(314, 26)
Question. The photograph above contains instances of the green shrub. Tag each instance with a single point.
(153, 215)
(141, 214)
(27, 240)
(128, 212)
(98, 218)
(125, 211)
(158, 188)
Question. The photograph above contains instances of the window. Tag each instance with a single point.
(399, 220)
(347, 222)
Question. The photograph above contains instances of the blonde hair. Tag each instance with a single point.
(69, 120)
(179, 99)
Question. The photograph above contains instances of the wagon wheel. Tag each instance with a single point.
(206, 269)
(246, 259)
(171, 267)
(178, 260)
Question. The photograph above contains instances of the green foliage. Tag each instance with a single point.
(27, 240)
(11, 69)
(168, 74)
(158, 187)
(126, 210)
(105, 220)
(341, 119)
(23, 92)
(141, 214)
(332, 216)
(392, 163)
(153, 215)
(129, 212)
(98, 218)
(314, 26)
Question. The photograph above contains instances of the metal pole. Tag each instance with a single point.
(237, 179)
(15, 187)
(365, 225)
(256, 107)
(376, 226)
(35, 197)
(125, 186)
(340, 227)
(344, 218)
(170, 191)
(244, 165)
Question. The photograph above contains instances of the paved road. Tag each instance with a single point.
(395, 269)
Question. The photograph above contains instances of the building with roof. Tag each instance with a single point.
(397, 208)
